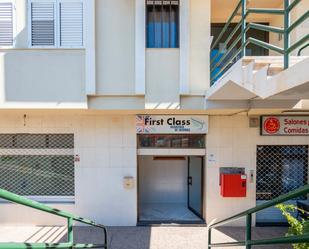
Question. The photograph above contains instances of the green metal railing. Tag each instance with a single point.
(248, 242)
(70, 219)
(220, 63)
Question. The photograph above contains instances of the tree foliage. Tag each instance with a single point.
(297, 226)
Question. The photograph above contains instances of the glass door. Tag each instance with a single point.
(195, 185)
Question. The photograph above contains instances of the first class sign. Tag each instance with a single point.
(151, 124)
(285, 125)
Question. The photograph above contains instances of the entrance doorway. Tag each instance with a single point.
(170, 189)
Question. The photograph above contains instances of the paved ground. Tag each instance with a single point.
(160, 237)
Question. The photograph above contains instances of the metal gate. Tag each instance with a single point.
(280, 169)
(38, 165)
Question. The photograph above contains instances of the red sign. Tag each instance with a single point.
(272, 125)
(285, 125)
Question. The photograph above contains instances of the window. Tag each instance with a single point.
(37, 165)
(6, 24)
(192, 141)
(56, 23)
(162, 24)
(280, 169)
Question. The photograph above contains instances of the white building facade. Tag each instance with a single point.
(107, 111)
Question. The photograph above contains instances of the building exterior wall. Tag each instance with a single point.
(297, 34)
(115, 47)
(162, 77)
(42, 76)
(199, 46)
(231, 143)
(107, 149)
(106, 143)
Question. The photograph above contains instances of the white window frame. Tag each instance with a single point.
(57, 25)
(14, 23)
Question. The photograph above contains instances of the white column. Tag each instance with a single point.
(140, 44)
(90, 37)
(184, 43)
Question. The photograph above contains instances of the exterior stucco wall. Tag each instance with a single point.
(42, 76)
(162, 77)
(199, 46)
(115, 47)
(107, 149)
(297, 34)
(231, 143)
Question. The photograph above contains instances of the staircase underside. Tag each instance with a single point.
(261, 82)
(263, 78)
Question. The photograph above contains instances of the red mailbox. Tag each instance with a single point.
(233, 185)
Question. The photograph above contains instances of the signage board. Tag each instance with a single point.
(285, 125)
(151, 124)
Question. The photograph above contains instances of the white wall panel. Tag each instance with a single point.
(162, 181)
(99, 192)
(231, 143)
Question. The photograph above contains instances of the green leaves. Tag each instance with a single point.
(297, 227)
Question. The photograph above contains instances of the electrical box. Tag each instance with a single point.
(233, 182)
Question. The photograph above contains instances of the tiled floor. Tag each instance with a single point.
(166, 212)
(158, 237)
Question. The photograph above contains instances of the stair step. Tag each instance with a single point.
(274, 70)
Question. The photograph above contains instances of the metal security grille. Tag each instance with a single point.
(37, 164)
(280, 169)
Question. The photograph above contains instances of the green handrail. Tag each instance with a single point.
(301, 49)
(11, 197)
(248, 242)
(227, 24)
(219, 67)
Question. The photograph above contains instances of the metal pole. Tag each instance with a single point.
(243, 27)
(209, 238)
(286, 32)
(248, 229)
(70, 230)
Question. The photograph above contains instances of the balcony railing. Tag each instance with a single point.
(221, 62)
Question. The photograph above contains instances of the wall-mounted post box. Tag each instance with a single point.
(233, 185)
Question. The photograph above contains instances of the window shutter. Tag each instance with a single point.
(6, 24)
(71, 24)
(42, 24)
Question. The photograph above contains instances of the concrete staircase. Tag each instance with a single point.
(259, 77)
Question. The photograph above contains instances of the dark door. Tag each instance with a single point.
(195, 185)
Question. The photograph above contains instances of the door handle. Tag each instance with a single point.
(190, 180)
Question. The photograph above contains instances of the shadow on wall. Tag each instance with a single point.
(42, 75)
